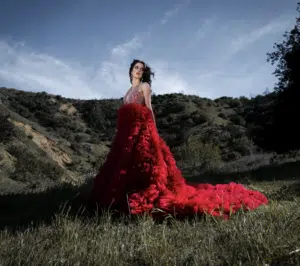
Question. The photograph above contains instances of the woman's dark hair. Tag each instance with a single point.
(147, 71)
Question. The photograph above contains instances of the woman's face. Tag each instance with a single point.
(137, 71)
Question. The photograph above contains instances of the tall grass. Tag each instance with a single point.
(268, 236)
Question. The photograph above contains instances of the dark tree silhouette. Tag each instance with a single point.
(287, 55)
(283, 134)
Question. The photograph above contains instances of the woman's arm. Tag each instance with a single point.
(147, 95)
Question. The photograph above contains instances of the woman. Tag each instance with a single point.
(140, 174)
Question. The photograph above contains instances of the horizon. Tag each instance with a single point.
(210, 50)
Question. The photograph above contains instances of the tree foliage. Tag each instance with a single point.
(287, 57)
(283, 134)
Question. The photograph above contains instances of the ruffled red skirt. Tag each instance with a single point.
(140, 176)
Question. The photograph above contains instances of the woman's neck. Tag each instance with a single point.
(135, 83)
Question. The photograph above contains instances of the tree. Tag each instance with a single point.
(287, 56)
(283, 134)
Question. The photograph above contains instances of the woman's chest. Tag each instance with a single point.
(134, 96)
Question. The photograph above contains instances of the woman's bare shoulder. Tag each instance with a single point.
(145, 86)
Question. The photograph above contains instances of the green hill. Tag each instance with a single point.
(47, 139)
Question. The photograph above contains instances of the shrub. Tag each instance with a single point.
(31, 166)
(238, 120)
(198, 154)
(199, 117)
(7, 130)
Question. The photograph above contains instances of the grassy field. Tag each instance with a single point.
(50, 228)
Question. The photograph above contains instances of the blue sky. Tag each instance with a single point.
(83, 48)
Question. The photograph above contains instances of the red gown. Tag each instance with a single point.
(140, 174)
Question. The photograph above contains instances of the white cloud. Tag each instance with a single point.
(169, 14)
(166, 80)
(28, 70)
(205, 28)
(234, 83)
(125, 48)
(248, 38)
(114, 71)
(173, 12)
(224, 70)
(31, 71)
(220, 72)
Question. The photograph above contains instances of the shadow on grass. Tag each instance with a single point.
(18, 211)
(277, 172)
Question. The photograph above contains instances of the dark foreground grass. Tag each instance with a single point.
(268, 236)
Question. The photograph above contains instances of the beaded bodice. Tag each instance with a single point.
(134, 96)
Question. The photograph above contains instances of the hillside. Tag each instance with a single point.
(47, 142)
(47, 139)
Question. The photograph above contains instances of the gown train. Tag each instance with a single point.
(140, 175)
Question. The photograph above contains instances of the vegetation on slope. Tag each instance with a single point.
(48, 138)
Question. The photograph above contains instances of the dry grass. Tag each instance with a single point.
(267, 236)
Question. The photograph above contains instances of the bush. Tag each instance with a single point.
(198, 154)
(31, 166)
(238, 120)
(231, 102)
(7, 130)
(242, 145)
(199, 117)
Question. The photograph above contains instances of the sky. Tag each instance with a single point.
(82, 49)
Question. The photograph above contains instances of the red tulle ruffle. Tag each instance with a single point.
(140, 175)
